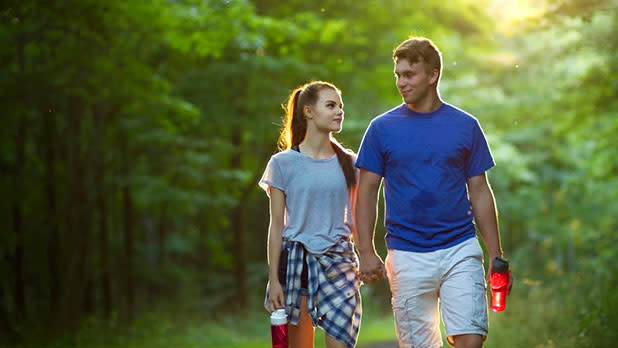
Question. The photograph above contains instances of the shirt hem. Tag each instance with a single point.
(377, 172)
(406, 246)
(493, 164)
(264, 184)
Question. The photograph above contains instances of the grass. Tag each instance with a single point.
(538, 315)
(166, 328)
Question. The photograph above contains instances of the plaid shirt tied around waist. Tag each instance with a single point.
(333, 298)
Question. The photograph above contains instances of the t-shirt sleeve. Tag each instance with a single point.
(272, 176)
(480, 159)
(356, 170)
(370, 152)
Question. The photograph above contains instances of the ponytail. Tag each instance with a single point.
(346, 161)
(294, 122)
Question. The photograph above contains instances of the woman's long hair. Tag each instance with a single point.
(295, 125)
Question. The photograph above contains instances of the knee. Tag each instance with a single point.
(468, 341)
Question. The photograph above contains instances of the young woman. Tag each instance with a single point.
(311, 184)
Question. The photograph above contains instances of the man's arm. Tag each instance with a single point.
(485, 214)
(371, 265)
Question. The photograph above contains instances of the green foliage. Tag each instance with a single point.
(135, 132)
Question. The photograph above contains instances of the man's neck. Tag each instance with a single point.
(427, 105)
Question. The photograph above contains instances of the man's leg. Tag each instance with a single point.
(414, 284)
(468, 341)
(462, 295)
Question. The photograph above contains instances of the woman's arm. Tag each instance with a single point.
(353, 199)
(276, 297)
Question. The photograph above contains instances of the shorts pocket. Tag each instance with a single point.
(479, 318)
(402, 322)
(412, 332)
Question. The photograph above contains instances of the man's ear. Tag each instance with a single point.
(435, 73)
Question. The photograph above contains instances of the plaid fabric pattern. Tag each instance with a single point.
(333, 301)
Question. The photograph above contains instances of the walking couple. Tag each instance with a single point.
(432, 158)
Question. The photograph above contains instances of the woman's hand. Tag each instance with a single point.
(276, 297)
(371, 267)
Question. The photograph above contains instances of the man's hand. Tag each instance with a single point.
(371, 267)
(511, 279)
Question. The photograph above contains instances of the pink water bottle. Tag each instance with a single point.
(279, 328)
(499, 282)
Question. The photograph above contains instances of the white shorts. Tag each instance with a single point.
(454, 275)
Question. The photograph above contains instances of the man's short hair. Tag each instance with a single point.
(419, 49)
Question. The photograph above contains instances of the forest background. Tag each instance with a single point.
(133, 134)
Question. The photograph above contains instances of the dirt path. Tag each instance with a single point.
(382, 344)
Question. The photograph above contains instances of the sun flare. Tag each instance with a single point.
(510, 14)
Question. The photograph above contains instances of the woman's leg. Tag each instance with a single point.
(301, 335)
(333, 343)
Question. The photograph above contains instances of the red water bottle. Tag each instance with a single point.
(279, 328)
(499, 282)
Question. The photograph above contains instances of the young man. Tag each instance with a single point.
(433, 158)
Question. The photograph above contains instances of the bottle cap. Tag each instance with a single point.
(278, 317)
(499, 265)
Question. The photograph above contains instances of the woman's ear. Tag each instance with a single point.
(307, 112)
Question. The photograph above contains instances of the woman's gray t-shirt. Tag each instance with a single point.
(318, 209)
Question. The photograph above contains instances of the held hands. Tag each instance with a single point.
(371, 267)
(276, 297)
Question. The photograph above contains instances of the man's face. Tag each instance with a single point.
(413, 80)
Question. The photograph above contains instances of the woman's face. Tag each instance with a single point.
(327, 113)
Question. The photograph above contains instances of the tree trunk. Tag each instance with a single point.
(77, 215)
(162, 235)
(105, 277)
(238, 243)
(18, 264)
(20, 140)
(99, 168)
(204, 252)
(53, 244)
(129, 248)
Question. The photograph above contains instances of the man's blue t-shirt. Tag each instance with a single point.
(425, 159)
